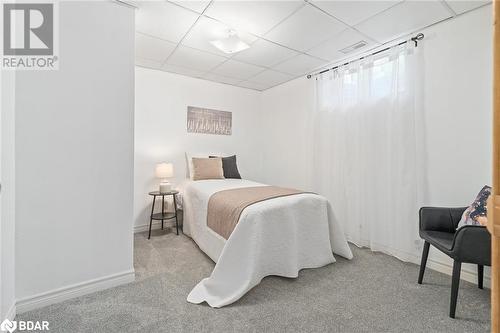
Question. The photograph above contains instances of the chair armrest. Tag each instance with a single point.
(440, 218)
(472, 244)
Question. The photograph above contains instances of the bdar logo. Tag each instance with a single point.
(28, 29)
(8, 326)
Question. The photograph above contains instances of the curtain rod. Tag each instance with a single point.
(415, 39)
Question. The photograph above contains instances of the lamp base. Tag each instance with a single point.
(165, 187)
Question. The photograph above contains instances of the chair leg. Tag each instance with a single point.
(425, 254)
(455, 281)
(480, 274)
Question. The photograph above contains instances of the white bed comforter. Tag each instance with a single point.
(274, 237)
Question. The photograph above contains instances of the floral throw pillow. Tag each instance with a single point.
(475, 214)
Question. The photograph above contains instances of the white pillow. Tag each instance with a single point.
(189, 163)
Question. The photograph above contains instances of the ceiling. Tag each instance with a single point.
(287, 39)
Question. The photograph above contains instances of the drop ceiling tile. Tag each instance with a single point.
(253, 85)
(403, 19)
(197, 6)
(305, 29)
(152, 48)
(330, 50)
(460, 6)
(264, 53)
(237, 70)
(256, 17)
(354, 12)
(206, 30)
(164, 20)
(299, 65)
(182, 70)
(147, 63)
(191, 58)
(220, 78)
(271, 78)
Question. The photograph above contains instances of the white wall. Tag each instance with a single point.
(74, 159)
(458, 95)
(458, 104)
(7, 196)
(160, 129)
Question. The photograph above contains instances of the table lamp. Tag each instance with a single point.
(164, 171)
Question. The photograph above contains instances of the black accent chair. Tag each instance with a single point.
(469, 244)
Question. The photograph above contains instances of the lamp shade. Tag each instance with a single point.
(164, 170)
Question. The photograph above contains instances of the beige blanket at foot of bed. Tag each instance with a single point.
(225, 207)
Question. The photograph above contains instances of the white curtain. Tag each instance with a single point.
(367, 149)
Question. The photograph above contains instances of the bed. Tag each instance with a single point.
(279, 236)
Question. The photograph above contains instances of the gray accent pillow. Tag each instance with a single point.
(229, 166)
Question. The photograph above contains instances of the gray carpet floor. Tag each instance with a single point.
(371, 293)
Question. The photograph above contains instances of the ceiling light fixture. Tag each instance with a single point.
(231, 44)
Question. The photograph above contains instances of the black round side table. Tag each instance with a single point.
(163, 215)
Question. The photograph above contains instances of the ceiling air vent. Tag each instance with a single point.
(353, 47)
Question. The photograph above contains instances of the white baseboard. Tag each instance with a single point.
(466, 274)
(90, 286)
(75, 290)
(156, 225)
(145, 227)
(11, 314)
(446, 267)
